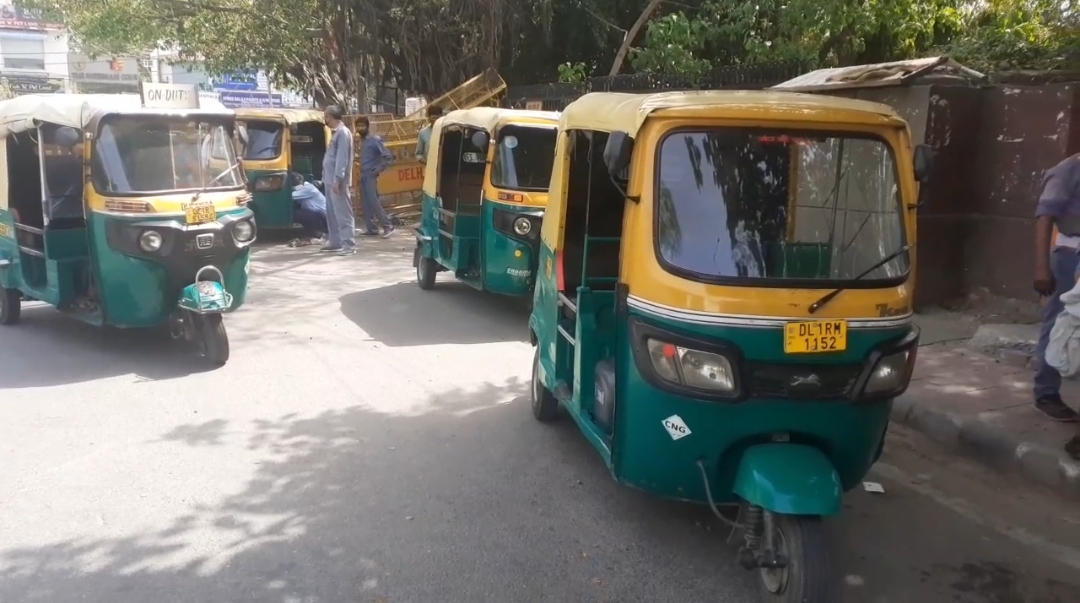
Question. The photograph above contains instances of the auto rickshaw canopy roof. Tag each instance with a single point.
(286, 116)
(27, 112)
(492, 118)
(621, 112)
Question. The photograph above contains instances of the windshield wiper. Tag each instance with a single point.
(211, 183)
(814, 307)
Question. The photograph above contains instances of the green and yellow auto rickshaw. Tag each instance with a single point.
(122, 215)
(724, 304)
(485, 189)
(276, 142)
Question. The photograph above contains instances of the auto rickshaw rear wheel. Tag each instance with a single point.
(10, 306)
(212, 338)
(545, 406)
(425, 270)
(810, 574)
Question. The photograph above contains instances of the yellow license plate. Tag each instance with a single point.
(815, 337)
(201, 213)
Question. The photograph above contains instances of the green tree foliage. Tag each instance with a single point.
(333, 47)
(1020, 34)
(572, 73)
(1017, 33)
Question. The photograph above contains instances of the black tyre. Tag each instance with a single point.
(10, 306)
(213, 340)
(545, 406)
(810, 576)
(426, 269)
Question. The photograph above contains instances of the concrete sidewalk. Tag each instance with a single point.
(975, 397)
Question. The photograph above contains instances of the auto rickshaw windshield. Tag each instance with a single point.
(744, 204)
(262, 140)
(148, 154)
(524, 157)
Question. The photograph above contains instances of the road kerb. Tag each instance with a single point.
(992, 446)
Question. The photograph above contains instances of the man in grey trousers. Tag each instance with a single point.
(337, 176)
(374, 159)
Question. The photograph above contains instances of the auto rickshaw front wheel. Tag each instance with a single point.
(545, 406)
(10, 306)
(809, 576)
(426, 269)
(212, 338)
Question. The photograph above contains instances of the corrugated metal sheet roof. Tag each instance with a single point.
(878, 75)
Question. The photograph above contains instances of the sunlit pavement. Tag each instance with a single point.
(372, 442)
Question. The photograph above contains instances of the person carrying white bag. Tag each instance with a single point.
(1063, 348)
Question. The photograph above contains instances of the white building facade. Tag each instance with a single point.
(33, 52)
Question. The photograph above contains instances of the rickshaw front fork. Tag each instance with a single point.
(757, 525)
(180, 325)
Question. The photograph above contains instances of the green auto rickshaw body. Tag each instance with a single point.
(144, 218)
(276, 143)
(788, 431)
(485, 189)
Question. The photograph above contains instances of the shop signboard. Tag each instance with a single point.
(235, 99)
(17, 17)
(20, 84)
(239, 81)
(123, 71)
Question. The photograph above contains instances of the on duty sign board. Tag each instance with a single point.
(169, 96)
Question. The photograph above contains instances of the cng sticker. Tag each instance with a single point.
(675, 427)
(5, 231)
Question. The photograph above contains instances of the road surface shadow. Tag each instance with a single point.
(356, 506)
(475, 501)
(451, 313)
(47, 348)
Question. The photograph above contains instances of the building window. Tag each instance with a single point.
(23, 52)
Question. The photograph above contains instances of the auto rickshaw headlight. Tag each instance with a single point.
(269, 183)
(890, 374)
(523, 226)
(150, 241)
(692, 368)
(244, 231)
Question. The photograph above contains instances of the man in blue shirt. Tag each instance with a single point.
(374, 159)
(423, 141)
(310, 209)
(1057, 243)
(337, 174)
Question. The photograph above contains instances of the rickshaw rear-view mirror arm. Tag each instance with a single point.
(924, 163)
(618, 152)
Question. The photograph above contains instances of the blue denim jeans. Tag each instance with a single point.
(1063, 264)
(374, 214)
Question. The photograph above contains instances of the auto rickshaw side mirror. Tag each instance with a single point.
(617, 152)
(480, 140)
(924, 160)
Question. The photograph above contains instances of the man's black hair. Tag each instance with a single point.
(297, 178)
(363, 119)
(335, 112)
(434, 111)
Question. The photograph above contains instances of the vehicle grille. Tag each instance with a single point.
(802, 381)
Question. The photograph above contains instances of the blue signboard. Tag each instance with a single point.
(236, 99)
(248, 80)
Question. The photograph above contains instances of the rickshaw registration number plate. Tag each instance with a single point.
(815, 337)
(201, 213)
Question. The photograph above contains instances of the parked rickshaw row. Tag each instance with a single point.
(721, 282)
(721, 292)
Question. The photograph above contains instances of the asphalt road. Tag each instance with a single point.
(372, 442)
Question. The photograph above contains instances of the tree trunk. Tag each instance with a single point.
(631, 35)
